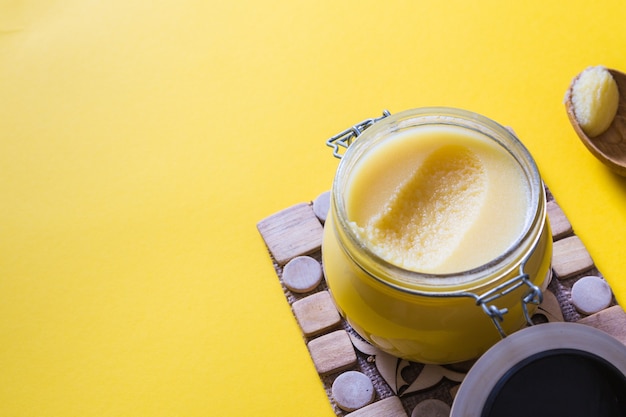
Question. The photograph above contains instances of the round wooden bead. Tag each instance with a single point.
(352, 390)
(591, 294)
(321, 206)
(431, 408)
(302, 274)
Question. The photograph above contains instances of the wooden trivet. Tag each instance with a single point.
(399, 385)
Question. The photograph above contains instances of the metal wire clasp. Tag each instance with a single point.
(345, 138)
(534, 295)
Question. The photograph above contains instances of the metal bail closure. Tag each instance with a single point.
(532, 296)
(345, 138)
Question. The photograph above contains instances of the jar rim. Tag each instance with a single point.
(420, 282)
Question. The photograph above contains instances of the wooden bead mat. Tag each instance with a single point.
(401, 386)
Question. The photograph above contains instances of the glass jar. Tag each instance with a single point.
(424, 316)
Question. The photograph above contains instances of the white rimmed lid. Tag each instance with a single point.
(524, 348)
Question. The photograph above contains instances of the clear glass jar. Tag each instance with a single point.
(435, 317)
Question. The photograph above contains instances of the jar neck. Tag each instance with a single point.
(412, 281)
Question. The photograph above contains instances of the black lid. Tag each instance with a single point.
(550, 369)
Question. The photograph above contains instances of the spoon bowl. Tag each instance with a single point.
(610, 146)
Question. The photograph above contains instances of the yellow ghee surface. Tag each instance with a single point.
(437, 201)
(595, 98)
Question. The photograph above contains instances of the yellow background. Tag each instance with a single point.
(141, 141)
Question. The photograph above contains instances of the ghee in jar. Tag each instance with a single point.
(428, 206)
(452, 201)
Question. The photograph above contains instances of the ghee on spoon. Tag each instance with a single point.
(596, 106)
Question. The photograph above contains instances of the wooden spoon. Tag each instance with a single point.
(609, 147)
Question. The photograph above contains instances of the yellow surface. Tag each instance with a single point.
(141, 141)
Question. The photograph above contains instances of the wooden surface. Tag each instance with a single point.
(403, 387)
